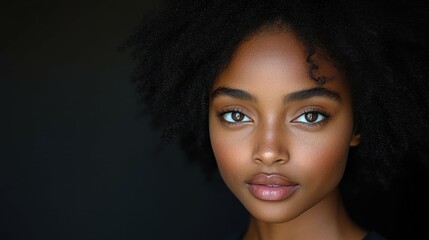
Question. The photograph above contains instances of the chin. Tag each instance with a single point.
(272, 212)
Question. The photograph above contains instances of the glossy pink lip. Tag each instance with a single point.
(271, 187)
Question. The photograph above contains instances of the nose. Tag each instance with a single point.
(271, 144)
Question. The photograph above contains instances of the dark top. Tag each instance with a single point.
(370, 236)
(373, 236)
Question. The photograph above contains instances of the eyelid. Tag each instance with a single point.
(316, 110)
(231, 108)
(226, 110)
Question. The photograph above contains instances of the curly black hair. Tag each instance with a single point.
(182, 47)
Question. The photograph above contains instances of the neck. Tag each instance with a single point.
(328, 219)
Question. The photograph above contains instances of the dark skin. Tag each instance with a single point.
(268, 117)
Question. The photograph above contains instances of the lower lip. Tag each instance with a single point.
(267, 193)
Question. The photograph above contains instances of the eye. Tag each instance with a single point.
(311, 117)
(234, 117)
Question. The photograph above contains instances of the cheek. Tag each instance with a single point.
(324, 159)
(226, 150)
(330, 157)
(230, 148)
(225, 154)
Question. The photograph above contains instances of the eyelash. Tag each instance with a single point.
(221, 116)
(324, 114)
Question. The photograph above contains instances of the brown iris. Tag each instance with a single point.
(237, 116)
(311, 116)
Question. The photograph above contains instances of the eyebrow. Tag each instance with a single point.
(310, 93)
(234, 93)
(291, 97)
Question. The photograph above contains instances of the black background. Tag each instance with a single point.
(78, 157)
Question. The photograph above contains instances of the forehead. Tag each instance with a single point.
(274, 63)
(269, 49)
(277, 55)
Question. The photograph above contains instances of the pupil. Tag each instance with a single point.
(236, 116)
(311, 117)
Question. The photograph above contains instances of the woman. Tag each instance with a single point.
(301, 105)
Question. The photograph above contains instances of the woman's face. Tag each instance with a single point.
(280, 139)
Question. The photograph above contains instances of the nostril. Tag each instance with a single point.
(268, 161)
(279, 161)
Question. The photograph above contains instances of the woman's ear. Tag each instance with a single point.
(355, 140)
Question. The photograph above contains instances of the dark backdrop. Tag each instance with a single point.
(78, 159)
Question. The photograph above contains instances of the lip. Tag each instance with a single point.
(271, 187)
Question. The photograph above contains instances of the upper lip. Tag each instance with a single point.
(270, 179)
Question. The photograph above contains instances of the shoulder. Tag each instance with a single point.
(373, 236)
(237, 235)
(370, 236)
